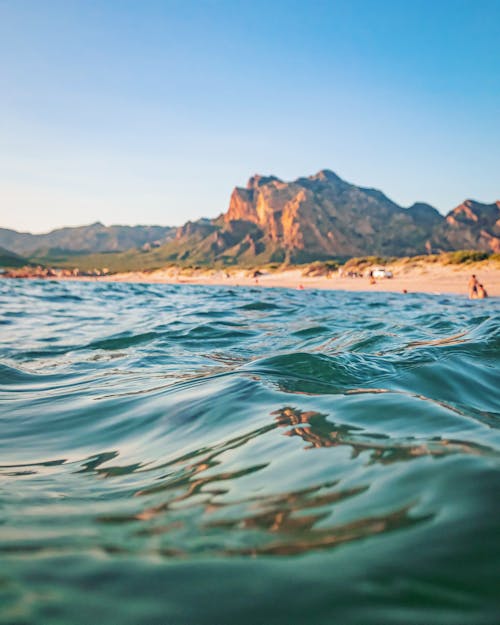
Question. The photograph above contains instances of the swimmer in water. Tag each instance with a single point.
(473, 284)
(481, 292)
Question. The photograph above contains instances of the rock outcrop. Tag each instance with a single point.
(473, 225)
(323, 216)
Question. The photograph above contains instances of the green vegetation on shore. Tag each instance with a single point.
(151, 260)
(136, 260)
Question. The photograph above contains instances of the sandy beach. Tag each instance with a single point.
(416, 278)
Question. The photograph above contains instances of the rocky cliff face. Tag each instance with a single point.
(323, 216)
(473, 225)
(320, 214)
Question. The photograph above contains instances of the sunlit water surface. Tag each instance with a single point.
(201, 455)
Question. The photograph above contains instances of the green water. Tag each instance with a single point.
(192, 455)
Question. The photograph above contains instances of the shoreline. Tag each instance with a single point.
(432, 278)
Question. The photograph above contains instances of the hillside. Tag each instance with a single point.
(9, 259)
(312, 218)
(94, 238)
(472, 225)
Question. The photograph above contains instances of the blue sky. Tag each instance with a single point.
(152, 111)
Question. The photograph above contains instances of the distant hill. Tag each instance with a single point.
(472, 225)
(321, 217)
(90, 239)
(9, 259)
(312, 218)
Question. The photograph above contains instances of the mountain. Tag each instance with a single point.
(472, 225)
(323, 216)
(312, 218)
(84, 239)
(424, 215)
(9, 259)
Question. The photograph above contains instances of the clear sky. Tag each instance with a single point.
(152, 111)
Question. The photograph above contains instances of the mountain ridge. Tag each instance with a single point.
(91, 238)
(271, 220)
(323, 216)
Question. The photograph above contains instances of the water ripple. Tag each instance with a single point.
(345, 445)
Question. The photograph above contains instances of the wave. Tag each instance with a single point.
(353, 439)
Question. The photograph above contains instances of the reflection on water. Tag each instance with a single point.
(319, 432)
(299, 534)
(146, 429)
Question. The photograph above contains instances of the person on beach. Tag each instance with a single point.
(473, 284)
(481, 292)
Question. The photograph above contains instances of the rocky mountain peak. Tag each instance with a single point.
(475, 212)
(326, 175)
(257, 181)
(424, 214)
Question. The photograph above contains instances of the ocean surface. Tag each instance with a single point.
(186, 455)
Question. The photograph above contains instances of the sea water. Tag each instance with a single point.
(197, 455)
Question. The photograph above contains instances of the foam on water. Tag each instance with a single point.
(185, 454)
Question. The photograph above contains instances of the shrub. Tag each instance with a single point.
(320, 268)
(465, 256)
